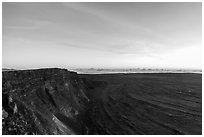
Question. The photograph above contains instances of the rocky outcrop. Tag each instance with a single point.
(57, 101)
(44, 101)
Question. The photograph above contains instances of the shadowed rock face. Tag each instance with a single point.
(44, 101)
(56, 101)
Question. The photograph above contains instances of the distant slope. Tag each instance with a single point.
(135, 70)
(165, 103)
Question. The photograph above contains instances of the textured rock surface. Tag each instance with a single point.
(44, 101)
(56, 101)
(145, 103)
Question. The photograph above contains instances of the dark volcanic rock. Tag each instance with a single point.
(159, 104)
(44, 101)
(56, 101)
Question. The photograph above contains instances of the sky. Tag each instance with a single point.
(102, 35)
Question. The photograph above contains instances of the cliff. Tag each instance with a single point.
(57, 101)
(44, 101)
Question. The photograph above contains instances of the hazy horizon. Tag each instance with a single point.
(102, 35)
(95, 68)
